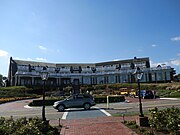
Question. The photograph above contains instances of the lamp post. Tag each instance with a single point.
(139, 75)
(44, 76)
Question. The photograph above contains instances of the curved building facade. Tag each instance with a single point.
(27, 73)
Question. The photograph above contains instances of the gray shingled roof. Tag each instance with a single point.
(33, 63)
(120, 61)
(76, 64)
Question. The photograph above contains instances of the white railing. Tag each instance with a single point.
(86, 70)
(105, 68)
(64, 70)
(104, 72)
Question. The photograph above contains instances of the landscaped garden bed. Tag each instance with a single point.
(8, 94)
(5, 100)
(166, 121)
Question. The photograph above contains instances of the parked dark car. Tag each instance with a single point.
(75, 101)
(147, 94)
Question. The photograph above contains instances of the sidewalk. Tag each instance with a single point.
(96, 126)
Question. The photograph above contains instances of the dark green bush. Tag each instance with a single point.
(23, 126)
(15, 91)
(48, 101)
(103, 99)
(114, 86)
(100, 87)
(40, 102)
(175, 94)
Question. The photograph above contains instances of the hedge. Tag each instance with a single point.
(99, 99)
(40, 102)
(15, 91)
(5, 100)
(103, 99)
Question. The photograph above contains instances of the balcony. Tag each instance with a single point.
(106, 69)
(86, 70)
(64, 70)
(99, 71)
(27, 73)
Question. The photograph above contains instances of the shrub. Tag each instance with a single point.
(174, 94)
(103, 99)
(5, 100)
(100, 87)
(23, 126)
(15, 91)
(114, 86)
(167, 119)
(48, 101)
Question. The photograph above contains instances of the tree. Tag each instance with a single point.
(1, 80)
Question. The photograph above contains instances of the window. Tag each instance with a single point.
(79, 97)
(126, 65)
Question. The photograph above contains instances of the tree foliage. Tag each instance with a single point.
(1, 80)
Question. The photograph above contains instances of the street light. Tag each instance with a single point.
(138, 72)
(44, 76)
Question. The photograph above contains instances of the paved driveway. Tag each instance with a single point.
(133, 105)
(17, 109)
(81, 113)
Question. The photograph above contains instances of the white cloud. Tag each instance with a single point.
(153, 45)
(176, 38)
(30, 59)
(42, 48)
(116, 59)
(41, 59)
(3, 53)
(175, 62)
(158, 63)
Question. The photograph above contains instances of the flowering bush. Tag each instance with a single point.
(165, 120)
(23, 126)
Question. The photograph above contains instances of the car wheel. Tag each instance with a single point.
(87, 106)
(61, 108)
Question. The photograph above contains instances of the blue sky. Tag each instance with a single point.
(70, 31)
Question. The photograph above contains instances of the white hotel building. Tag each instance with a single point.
(27, 73)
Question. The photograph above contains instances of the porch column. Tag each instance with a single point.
(32, 80)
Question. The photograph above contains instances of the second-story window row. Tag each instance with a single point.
(22, 67)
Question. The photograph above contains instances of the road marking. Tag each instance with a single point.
(65, 115)
(171, 98)
(103, 111)
(28, 107)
